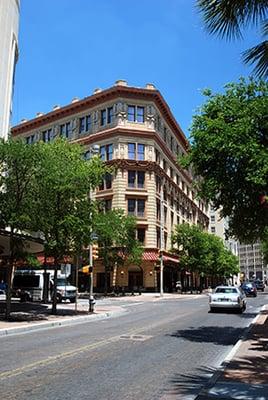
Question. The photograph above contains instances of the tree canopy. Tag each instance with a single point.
(202, 252)
(117, 239)
(229, 151)
(228, 18)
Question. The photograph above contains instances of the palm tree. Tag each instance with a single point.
(227, 18)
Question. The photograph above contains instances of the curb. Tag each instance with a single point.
(204, 393)
(59, 323)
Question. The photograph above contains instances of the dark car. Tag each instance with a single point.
(249, 288)
(259, 285)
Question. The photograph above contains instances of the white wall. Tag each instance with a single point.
(9, 24)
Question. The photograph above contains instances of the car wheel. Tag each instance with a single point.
(212, 310)
(262, 290)
(255, 295)
(72, 300)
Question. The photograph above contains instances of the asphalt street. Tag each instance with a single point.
(164, 350)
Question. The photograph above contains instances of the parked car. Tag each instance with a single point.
(249, 288)
(259, 285)
(2, 295)
(229, 297)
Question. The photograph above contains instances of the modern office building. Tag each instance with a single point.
(9, 25)
(218, 226)
(136, 133)
(251, 261)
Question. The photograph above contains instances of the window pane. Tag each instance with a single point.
(102, 153)
(110, 115)
(68, 129)
(131, 151)
(88, 122)
(131, 206)
(63, 130)
(141, 176)
(108, 179)
(103, 117)
(109, 152)
(131, 179)
(141, 235)
(131, 113)
(141, 151)
(82, 125)
(140, 114)
(140, 208)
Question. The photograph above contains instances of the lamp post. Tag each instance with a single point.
(94, 150)
(161, 240)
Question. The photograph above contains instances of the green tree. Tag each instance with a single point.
(62, 209)
(230, 151)
(228, 18)
(18, 163)
(202, 252)
(116, 237)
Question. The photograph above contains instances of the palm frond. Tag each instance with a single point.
(227, 17)
(258, 55)
(265, 28)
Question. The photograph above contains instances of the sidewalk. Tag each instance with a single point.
(244, 375)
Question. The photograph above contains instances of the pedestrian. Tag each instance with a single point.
(3, 285)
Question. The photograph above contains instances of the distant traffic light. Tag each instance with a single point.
(85, 269)
(95, 251)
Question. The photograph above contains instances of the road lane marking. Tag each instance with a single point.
(92, 346)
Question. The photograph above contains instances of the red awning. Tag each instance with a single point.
(150, 256)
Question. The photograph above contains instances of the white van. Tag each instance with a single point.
(29, 285)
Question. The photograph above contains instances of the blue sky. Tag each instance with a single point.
(70, 47)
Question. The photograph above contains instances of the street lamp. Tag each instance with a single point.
(94, 150)
(161, 240)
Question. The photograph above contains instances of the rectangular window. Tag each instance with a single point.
(136, 179)
(171, 143)
(213, 230)
(135, 114)
(65, 130)
(110, 115)
(131, 113)
(106, 152)
(212, 218)
(165, 165)
(131, 206)
(140, 208)
(141, 148)
(132, 151)
(165, 134)
(47, 136)
(141, 235)
(106, 183)
(30, 139)
(158, 210)
(140, 114)
(109, 152)
(102, 152)
(171, 173)
(141, 176)
(131, 179)
(136, 207)
(103, 117)
(85, 124)
(157, 156)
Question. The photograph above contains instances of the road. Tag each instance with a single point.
(165, 349)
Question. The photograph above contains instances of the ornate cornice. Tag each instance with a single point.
(101, 97)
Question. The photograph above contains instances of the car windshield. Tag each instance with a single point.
(62, 282)
(226, 290)
(245, 285)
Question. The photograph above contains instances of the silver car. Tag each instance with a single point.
(229, 297)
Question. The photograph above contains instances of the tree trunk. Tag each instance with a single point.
(54, 296)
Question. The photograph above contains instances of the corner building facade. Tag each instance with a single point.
(138, 135)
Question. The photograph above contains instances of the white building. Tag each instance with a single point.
(9, 25)
(251, 261)
(218, 226)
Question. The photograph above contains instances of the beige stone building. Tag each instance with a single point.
(137, 133)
